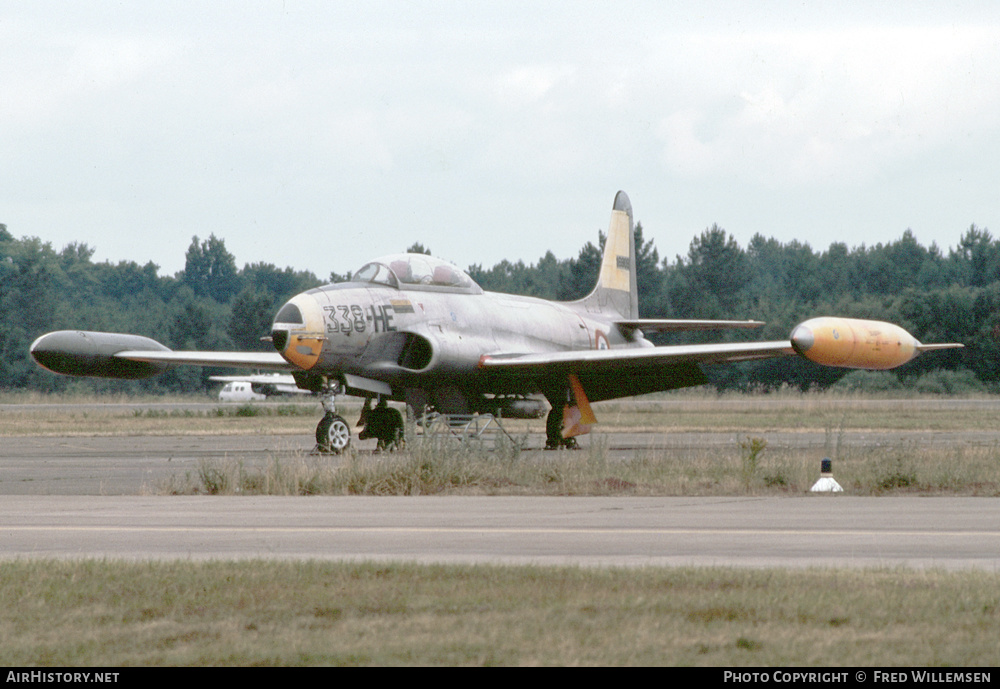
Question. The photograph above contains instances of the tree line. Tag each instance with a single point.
(213, 304)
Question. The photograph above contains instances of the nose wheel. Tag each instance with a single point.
(333, 434)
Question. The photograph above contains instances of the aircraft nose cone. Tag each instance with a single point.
(298, 332)
(802, 339)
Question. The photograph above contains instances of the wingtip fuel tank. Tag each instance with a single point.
(83, 353)
(856, 343)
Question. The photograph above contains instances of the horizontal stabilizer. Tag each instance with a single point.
(657, 325)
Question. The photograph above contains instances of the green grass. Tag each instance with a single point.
(75, 613)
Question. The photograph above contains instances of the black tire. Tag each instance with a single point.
(553, 428)
(333, 434)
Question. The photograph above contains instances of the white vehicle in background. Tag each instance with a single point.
(257, 387)
(240, 391)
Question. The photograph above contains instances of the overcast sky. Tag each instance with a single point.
(320, 134)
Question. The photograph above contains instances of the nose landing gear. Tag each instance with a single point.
(333, 433)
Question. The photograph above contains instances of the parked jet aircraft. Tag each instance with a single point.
(415, 329)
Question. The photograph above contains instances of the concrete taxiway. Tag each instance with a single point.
(825, 531)
(97, 497)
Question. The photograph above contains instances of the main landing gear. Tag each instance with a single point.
(554, 439)
(333, 433)
(384, 423)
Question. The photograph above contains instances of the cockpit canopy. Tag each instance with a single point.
(416, 271)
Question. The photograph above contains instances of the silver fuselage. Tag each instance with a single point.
(426, 342)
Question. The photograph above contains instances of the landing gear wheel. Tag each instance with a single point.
(333, 434)
(553, 428)
(386, 425)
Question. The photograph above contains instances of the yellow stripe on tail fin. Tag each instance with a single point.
(616, 293)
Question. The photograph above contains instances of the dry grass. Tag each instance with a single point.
(797, 412)
(271, 613)
(863, 469)
(748, 466)
(34, 414)
(142, 417)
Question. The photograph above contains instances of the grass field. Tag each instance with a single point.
(34, 414)
(273, 613)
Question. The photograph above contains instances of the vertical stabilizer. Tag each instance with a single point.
(616, 293)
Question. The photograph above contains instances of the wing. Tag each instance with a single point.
(623, 360)
(611, 373)
(268, 360)
(120, 355)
